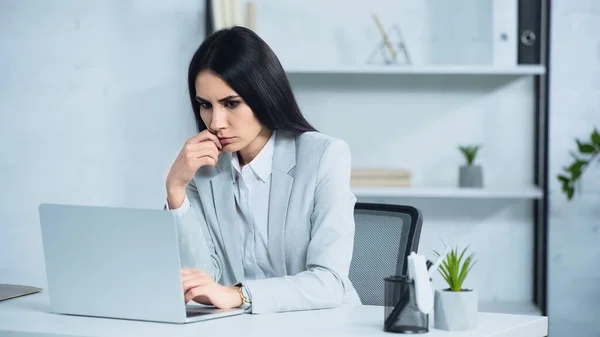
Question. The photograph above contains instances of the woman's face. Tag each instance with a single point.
(226, 115)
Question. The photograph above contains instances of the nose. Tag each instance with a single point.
(219, 119)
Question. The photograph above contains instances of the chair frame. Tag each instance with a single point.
(415, 227)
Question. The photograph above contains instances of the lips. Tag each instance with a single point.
(225, 140)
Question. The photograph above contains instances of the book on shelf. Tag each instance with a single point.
(382, 177)
(504, 32)
(227, 13)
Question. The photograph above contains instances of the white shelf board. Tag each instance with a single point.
(449, 192)
(518, 308)
(519, 70)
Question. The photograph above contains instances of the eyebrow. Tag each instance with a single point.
(227, 98)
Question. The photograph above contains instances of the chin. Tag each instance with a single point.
(233, 147)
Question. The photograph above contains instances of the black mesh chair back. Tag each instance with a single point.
(385, 235)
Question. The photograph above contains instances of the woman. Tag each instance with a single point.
(262, 200)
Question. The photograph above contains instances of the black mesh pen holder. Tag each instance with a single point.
(401, 312)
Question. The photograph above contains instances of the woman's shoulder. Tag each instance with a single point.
(317, 139)
(317, 144)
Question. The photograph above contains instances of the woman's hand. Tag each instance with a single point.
(199, 150)
(201, 288)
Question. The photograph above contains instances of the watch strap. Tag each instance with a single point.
(245, 296)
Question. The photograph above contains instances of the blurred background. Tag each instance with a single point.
(94, 109)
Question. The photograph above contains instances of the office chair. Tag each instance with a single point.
(384, 236)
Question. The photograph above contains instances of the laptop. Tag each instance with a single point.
(116, 263)
(10, 291)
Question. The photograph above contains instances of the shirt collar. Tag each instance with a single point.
(261, 165)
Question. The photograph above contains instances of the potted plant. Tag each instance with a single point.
(455, 308)
(470, 175)
(588, 152)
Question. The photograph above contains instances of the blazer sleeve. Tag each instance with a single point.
(196, 244)
(325, 282)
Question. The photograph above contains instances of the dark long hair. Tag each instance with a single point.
(249, 66)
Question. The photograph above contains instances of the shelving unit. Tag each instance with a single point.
(449, 192)
(521, 70)
(340, 80)
(457, 90)
(510, 308)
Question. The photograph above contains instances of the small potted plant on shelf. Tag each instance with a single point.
(470, 174)
(455, 308)
(588, 153)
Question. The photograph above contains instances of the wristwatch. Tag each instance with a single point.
(245, 296)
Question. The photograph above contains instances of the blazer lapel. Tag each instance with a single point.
(224, 201)
(284, 159)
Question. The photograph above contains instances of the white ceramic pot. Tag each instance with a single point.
(455, 310)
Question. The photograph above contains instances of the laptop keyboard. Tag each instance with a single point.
(196, 311)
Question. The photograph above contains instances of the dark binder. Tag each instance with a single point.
(529, 31)
(208, 18)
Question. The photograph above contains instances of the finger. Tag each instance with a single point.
(195, 292)
(187, 271)
(202, 146)
(214, 154)
(188, 281)
(201, 159)
(195, 282)
(192, 276)
(204, 136)
(211, 151)
(205, 161)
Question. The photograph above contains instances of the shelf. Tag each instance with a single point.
(520, 70)
(510, 308)
(448, 192)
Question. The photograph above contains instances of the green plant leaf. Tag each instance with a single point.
(595, 138)
(575, 155)
(446, 275)
(465, 269)
(570, 191)
(470, 152)
(470, 267)
(563, 179)
(454, 271)
(588, 152)
(578, 164)
(462, 254)
(585, 148)
(443, 269)
(575, 168)
(455, 267)
(565, 186)
(447, 262)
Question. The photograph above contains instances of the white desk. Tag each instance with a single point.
(28, 317)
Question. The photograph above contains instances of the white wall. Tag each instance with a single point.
(574, 276)
(337, 32)
(93, 111)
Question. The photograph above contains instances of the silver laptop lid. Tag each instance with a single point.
(112, 262)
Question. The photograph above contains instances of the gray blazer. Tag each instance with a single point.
(310, 226)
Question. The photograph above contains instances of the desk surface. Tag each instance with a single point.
(29, 316)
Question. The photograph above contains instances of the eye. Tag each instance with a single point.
(204, 105)
(231, 104)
